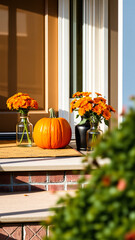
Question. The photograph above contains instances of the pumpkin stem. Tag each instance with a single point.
(52, 113)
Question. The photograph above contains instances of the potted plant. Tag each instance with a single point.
(92, 111)
(22, 103)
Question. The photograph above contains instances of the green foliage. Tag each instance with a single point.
(105, 208)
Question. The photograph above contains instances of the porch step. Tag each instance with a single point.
(28, 207)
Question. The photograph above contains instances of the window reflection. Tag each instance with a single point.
(3, 20)
(30, 54)
(21, 24)
(22, 49)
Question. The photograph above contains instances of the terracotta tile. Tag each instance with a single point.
(10, 229)
(34, 231)
(28, 233)
(36, 238)
(17, 234)
(3, 234)
(42, 232)
(34, 227)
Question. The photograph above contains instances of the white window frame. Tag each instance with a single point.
(120, 59)
(63, 58)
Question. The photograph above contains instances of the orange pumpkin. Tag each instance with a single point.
(52, 132)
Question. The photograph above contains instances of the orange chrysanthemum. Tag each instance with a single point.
(97, 110)
(88, 107)
(89, 99)
(78, 103)
(77, 94)
(106, 114)
(81, 111)
(86, 94)
(84, 102)
(111, 108)
(98, 99)
(81, 94)
(102, 105)
(99, 94)
(20, 101)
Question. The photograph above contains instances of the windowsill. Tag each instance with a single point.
(45, 164)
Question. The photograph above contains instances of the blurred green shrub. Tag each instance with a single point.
(105, 208)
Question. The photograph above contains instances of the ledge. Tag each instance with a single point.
(45, 164)
(41, 164)
(21, 207)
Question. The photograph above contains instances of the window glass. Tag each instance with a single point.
(22, 50)
(75, 46)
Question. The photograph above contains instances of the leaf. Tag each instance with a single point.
(106, 122)
(83, 121)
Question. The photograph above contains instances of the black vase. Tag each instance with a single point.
(80, 133)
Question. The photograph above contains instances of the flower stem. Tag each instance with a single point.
(22, 136)
(25, 127)
(25, 130)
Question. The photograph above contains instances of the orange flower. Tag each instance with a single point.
(81, 111)
(97, 109)
(89, 99)
(102, 105)
(98, 99)
(130, 235)
(73, 101)
(86, 94)
(21, 101)
(99, 94)
(77, 94)
(78, 103)
(91, 108)
(34, 104)
(121, 185)
(106, 114)
(106, 181)
(111, 108)
(88, 107)
(71, 109)
(84, 102)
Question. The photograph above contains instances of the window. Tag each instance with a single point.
(28, 63)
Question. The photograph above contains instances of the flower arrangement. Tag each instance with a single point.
(92, 109)
(22, 103)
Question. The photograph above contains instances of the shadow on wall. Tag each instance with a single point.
(5, 237)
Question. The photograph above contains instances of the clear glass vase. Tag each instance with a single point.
(24, 131)
(93, 135)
